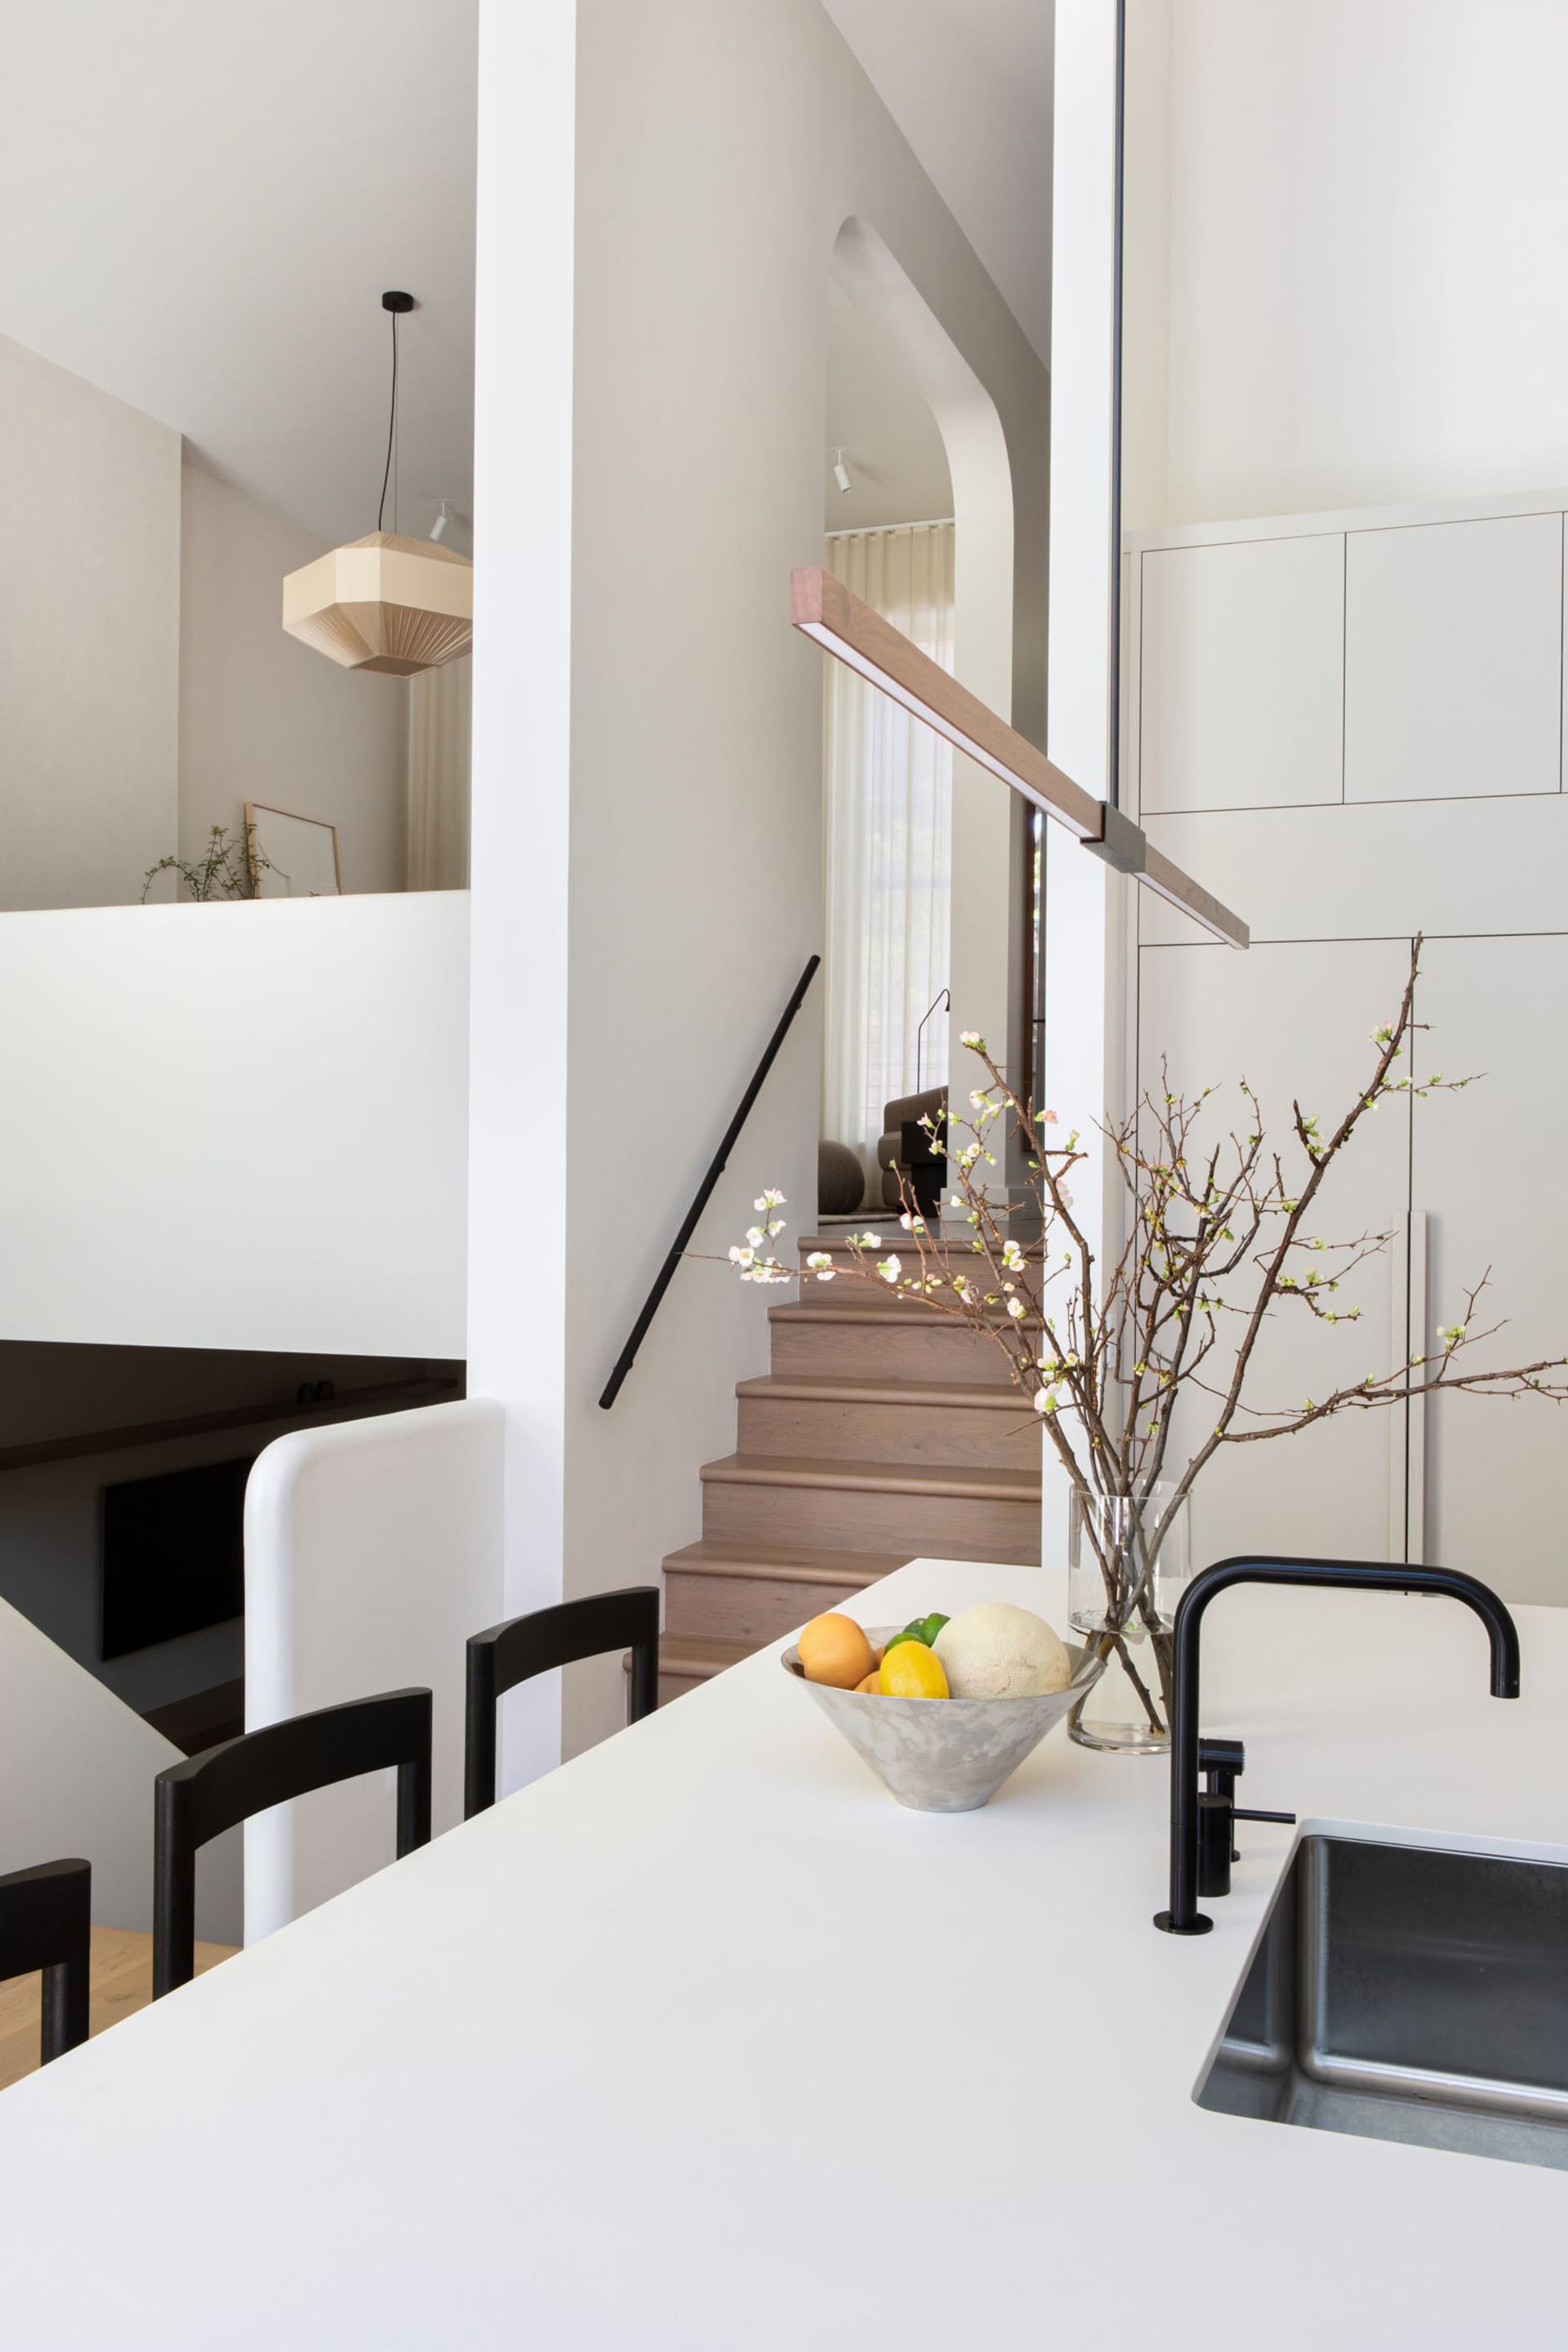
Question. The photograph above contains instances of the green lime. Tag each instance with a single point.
(932, 1626)
(909, 1634)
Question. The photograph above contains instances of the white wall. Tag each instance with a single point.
(262, 718)
(79, 1769)
(90, 638)
(372, 1552)
(1363, 227)
(237, 1126)
(629, 963)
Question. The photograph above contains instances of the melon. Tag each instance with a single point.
(998, 1652)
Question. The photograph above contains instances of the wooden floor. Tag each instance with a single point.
(121, 1982)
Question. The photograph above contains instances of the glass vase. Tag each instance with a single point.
(1128, 1558)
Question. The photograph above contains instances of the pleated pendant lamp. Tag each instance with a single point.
(383, 603)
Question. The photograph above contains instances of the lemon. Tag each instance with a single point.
(909, 1670)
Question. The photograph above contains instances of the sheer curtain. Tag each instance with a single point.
(888, 846)
(439, 706)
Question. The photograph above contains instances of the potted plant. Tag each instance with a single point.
(1221, 1235)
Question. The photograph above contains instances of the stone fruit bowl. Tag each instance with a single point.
(944, 1755)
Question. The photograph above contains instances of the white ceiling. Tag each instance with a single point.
(969, 83)
(203, 202)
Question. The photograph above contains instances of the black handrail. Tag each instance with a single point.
(942, 995)
(628, 1356)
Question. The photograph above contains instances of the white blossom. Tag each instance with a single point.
(888, 1269)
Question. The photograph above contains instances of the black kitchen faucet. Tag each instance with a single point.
(1202, 1822)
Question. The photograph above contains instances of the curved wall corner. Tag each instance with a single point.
(372, 1550)
(999, 614)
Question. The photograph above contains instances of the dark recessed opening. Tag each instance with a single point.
(172, 1554)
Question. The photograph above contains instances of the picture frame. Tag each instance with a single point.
(289, 856)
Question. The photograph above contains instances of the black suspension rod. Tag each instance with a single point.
(665, 1275)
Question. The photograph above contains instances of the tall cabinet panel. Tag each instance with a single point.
(1242, 675)
(1454, 659)
(1487, 1167)
(1297, 1019)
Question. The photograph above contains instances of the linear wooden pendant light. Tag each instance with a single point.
(823, 608)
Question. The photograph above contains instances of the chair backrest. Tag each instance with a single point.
(197, 1799)
(505, 1655)
(45, 1916)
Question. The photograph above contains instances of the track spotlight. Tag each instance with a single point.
(841, 472)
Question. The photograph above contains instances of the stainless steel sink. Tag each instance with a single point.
(1405, 1992)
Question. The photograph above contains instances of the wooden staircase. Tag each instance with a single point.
(882, 1431)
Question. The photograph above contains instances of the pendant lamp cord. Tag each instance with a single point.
(390, 434)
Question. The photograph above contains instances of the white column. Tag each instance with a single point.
(1084, 900)
(521, 751)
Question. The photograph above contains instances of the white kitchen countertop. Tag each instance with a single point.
(703, 2041)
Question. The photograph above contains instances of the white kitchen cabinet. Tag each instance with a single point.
(1488, 1167)
(1242, 679)
(1454, 659)
(1372, 869)
(1297, 1020)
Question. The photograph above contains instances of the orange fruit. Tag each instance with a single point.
(871, 1682)
(833, 1649)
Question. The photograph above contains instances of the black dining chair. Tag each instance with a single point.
(505, 1655)
(45, 1923)
(198, 1800)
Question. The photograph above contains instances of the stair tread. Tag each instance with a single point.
(992, 1396)
(783, 1562)
(873, 1309)
(840, 1249)
(879, 1477)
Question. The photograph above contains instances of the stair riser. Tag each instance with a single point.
(676, 1686)
(919, 1350)
(979, 1437)
(843, 1517)
(854, 1276)
(749, 1608)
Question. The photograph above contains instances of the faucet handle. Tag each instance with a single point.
(1222, 1763)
